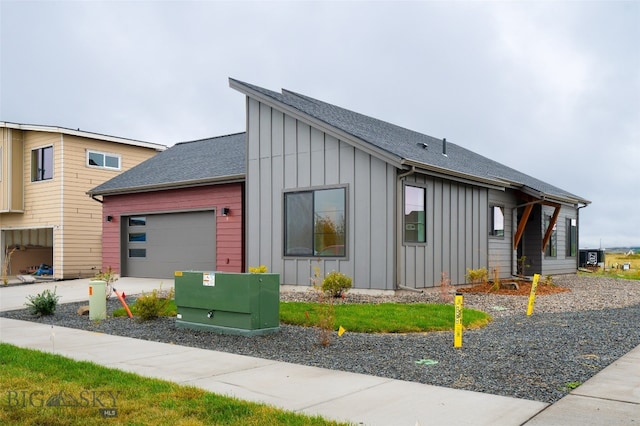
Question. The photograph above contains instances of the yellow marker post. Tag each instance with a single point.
(457, 329)
(532, 295)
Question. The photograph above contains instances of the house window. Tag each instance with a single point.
(572, 237)
(552, 246)
(415, 201)
(105, 161)
(137, 221)
(497, 221)
(138, 237)
(314, 223)
(42, 164)
(138, 252)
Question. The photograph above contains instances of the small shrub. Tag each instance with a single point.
(445, 289)
(325, 309)
(548, 281)
(109, 277)
(477, 276)
(335, 284)
(44, 303)
(150, 306)
(572, 385)
(496, 279)
(5, 266)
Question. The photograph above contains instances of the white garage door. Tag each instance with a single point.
(157, 245)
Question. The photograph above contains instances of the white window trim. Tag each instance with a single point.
(104, 154)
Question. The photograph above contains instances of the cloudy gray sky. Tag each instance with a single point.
(549, 88)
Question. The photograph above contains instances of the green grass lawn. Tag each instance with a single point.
(613, 259)
(370, 318)
(45, 389)
(384, 317)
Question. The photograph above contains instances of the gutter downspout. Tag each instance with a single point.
(93, 197)
(61, 229)
(399, 270)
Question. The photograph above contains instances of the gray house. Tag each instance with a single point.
(330, 188)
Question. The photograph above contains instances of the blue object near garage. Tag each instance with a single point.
(43, 269)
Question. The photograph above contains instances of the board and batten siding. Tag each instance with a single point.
(229, 236)
(284, 154)
(456, 233)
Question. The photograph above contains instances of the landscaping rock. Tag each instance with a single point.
(571, 336)
(509, 285)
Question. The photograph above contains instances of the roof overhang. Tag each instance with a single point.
(551, 198)
(171, 185)
(319, 124)
(445, 173)
(81, 133)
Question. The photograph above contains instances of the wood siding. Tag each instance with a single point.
(284, 154)
(11, 169)
(229, 233)
(456, 234)
(61, 203)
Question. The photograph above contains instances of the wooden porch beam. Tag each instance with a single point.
(552, 224)
(522, 223)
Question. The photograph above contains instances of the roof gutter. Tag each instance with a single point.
(408, 173)
(453, 175)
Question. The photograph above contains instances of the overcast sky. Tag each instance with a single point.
(549, 88)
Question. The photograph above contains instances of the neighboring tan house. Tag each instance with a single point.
(180, 210)
(388, 206)
(46, 216)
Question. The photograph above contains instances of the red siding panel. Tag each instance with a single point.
(229, 238)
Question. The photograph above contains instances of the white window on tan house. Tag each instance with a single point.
(103, 160)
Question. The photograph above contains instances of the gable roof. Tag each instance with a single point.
(405, 148)
(82, 133)
(185, 164)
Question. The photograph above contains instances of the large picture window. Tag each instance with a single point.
(415, 201)
(314, 223)
(497, 221)
(42, 164)
(572, 237)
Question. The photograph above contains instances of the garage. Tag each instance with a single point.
(157, 245)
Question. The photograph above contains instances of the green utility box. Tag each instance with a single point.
(228, 303)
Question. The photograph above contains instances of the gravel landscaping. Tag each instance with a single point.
(570, 337)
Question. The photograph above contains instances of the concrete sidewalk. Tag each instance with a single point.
(611, 397)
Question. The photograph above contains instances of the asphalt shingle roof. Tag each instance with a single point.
(184, 163)
(410, 146)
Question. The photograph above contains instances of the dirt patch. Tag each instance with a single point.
(524, 289)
